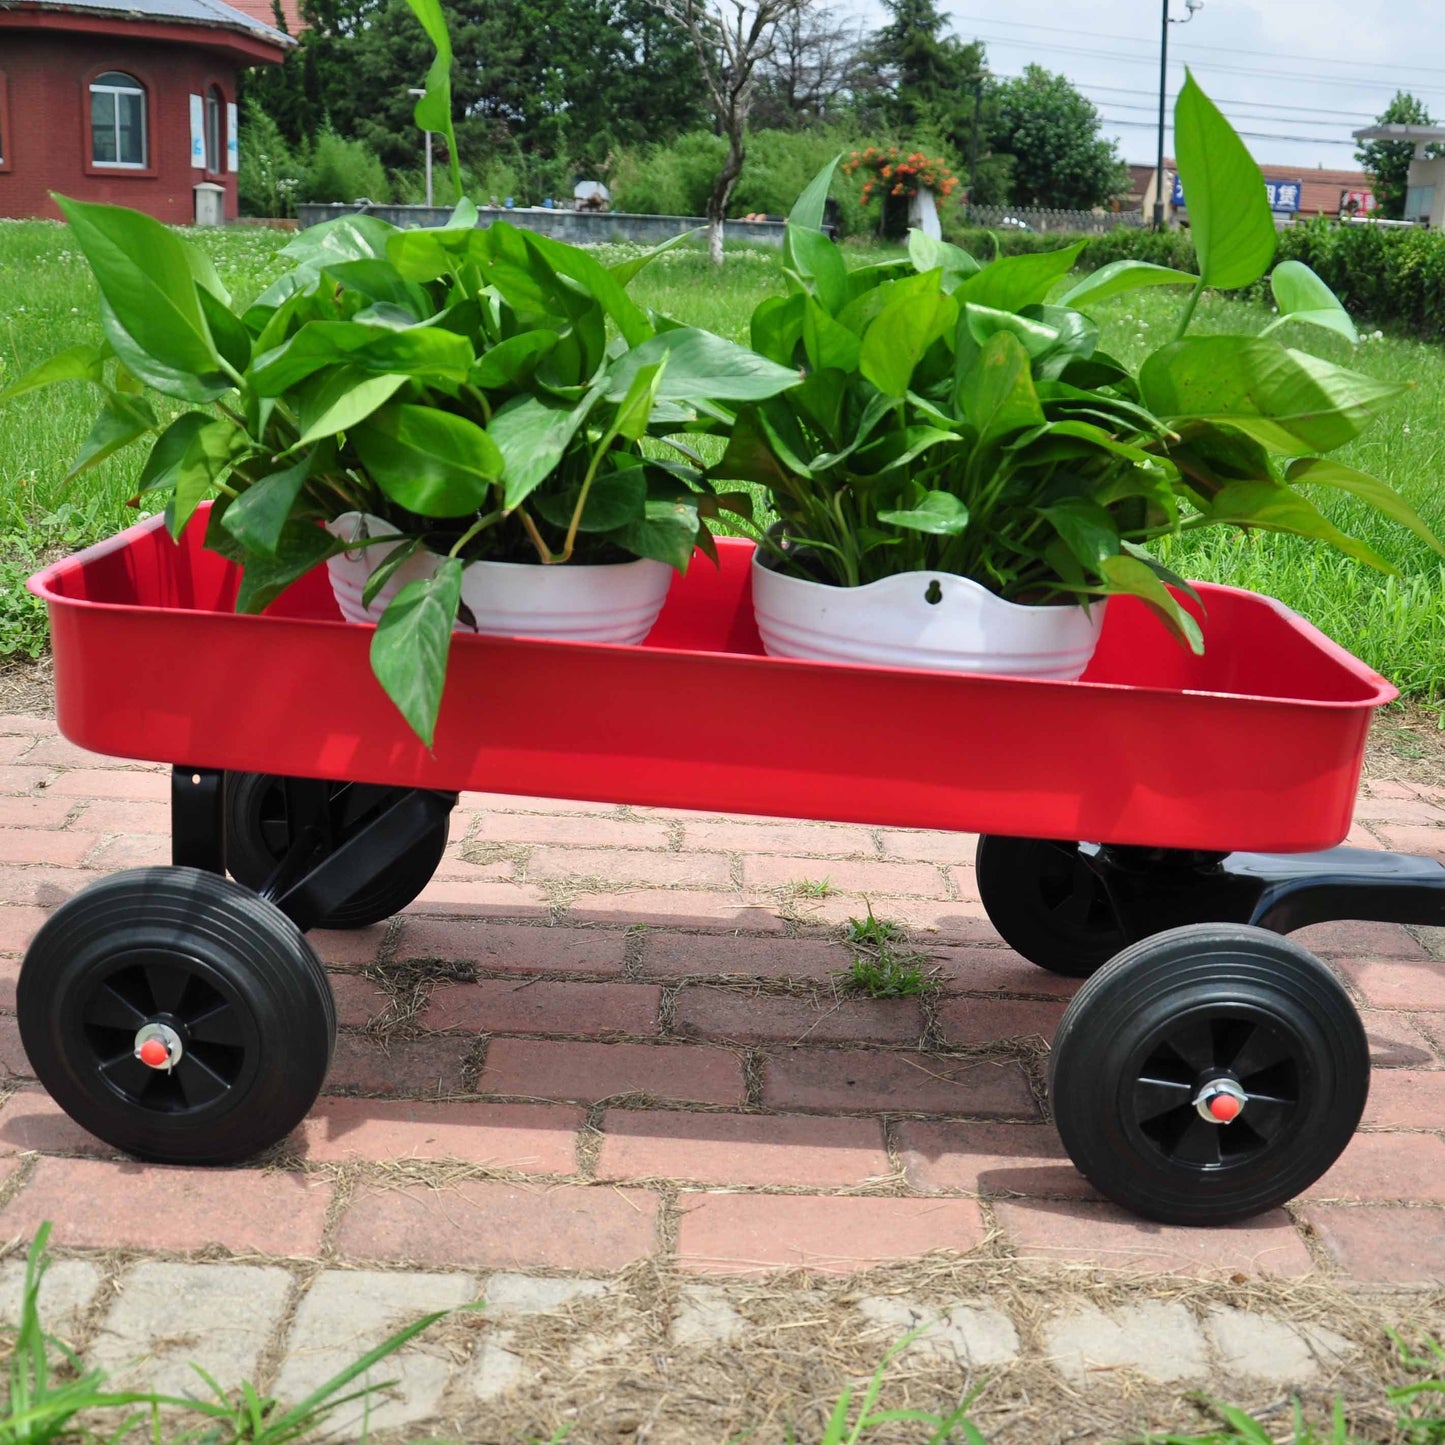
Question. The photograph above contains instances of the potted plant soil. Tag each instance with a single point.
(964, 478)
(444, 416)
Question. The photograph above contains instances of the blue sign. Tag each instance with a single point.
(1283, 196)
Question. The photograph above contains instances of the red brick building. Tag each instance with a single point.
(126, 101)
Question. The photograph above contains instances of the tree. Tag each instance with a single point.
(730, 39)
(804, 80)
(1052, 132)
(1388, 161)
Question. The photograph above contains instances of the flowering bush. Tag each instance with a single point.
(891, 173)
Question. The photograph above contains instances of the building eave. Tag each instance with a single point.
(252, 42)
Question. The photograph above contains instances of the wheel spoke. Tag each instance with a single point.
(200, 1084)
(1199, 1143)
(106, 1008)
(1267, 1115)
(168, 985)
(218, 1025)
(1194, 1044)
(128, 1074)
(1263, 1049)
(1154, 1097)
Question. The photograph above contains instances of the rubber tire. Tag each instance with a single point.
(241, 945)
(1153, 983)
(250, 858)
(1010, 873)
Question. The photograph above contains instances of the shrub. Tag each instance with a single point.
(343, 170)
(270, 174)
(668, 180)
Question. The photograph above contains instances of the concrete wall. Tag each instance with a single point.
(575, 227)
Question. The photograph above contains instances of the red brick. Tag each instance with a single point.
(125, 815)
(476, 803)
(99, 1205)
(873, 876)
(989, 1159)
(1380, 1245)
(458, 897)
(575, 830)
(1107, 1237)
(587, 1072)
(1350, 939)
(931, 847)
(929, 920)
(530, 1138)
(21, 778)
(27, 725)
(510, 948)
(904, 1083)
(43, 886)
(9, 977)
(1385, 788)
(726, 1013)
(982, 1020)
(487, 1224)
(1397, 810)
(44, 812)
(996, 970)
(752, 1233)
(1398, 984)
(348, 947)
(676, 908)
(539, 1006)
(452, 867)
(57, 752)
(358, 1000)
(140, 850)
(37, 845)
(741, 1148)
(1396, 1041)
(32, 1120)
(781, 837)
(1377, 1167)
(1360, 836)
(112, 783)
(13, 746)
(620, 866)
(1407, 1099)
(1413, 838)
(18, 925)
(13, 1063)
(711, 955)
(409, 1066)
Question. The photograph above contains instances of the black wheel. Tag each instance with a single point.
(177, 1016)
(259, 832)
(1048, 904)
(1208, 1074)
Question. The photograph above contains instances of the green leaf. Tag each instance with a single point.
(257, 517)
(228, 331)
(422, 255)
(901, 333)
(75, 363)
(1119, 277)
(265, 576)
(666, 533)
(1087, 528)
(533, 436)
(1276, 508)
(929, 254)
(122, 420)
(598, 282)
(395, 558)
(170, 380)
(983, 322)
(410, 646)
(347, 238)
(940, 514)
(815, 257)
(434, 110)
(341, 399)
(1126, 574)
(143, 270)
(1229, 217)
(827, 343)
(807, 211)
(1380, 495)
(1302, 296)
(635, 411)
(701, 366)
(624, 271)
(1285, 399)
(997, 394)
(777, 327)
(188, 457)
(614, 499)
(382, 283)
(429, 461)
(512, 360)
(1013, 282)
(429, 353)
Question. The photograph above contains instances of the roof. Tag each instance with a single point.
(1319, 188)
(211, 13)
(265, 12)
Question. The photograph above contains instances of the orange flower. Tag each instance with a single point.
(887, 172)
(896, 191)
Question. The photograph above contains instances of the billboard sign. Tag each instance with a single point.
(1284, 196)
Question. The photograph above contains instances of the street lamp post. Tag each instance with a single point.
(417, 92)
(1192, 6)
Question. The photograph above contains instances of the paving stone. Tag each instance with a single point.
(1385, 1167)
(588, 1072)
(968, 1335)
(509, 1294)
(667, 908)
(1161, 1341)
(988, 1159)
(170, 1316)
(1266, 1349)
(510, 947)
(705, 1316)
(1376, 1244)
(496, 1368)
(544, 1006)
(747, 1016)
(32, 1120)
(66, 1291)
(344, 1314)
(704, 955)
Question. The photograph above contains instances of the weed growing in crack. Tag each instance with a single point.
(880, 968)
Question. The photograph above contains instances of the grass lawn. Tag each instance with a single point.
(1397, 624)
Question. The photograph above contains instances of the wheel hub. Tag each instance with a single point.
(1220, 1101)
(158, 1046)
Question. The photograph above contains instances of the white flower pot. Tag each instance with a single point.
(892, 623)
(616, 602)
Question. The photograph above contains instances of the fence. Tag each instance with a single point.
(1029, 218)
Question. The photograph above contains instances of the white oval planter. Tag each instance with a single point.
(892, 623)
(616, 602)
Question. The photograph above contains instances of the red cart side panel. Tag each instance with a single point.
(1257, 745)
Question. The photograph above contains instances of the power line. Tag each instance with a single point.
(1154, 110)
(1252, 104)
(1246, 134)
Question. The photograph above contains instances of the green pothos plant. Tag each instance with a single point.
(962, 418)
(485, 392)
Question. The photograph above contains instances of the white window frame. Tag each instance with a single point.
(115, 92)
(215, 128)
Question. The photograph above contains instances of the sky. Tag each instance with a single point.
(1295, 77)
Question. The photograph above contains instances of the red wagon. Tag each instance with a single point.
(1208, 1070)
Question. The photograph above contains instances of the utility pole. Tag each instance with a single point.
(973, 146)
(419, 92)
(1193, 7)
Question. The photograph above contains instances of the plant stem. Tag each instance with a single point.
(472, 531)
(476, 394)
(1189, 306)
(543, 551)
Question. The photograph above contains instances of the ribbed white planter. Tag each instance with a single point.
(616, 602)
(893, 623)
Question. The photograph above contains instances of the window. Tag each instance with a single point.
(215, 108)
(1419, 202)
(117, 120)
(4, 126)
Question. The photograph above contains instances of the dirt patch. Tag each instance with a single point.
(1407, 744)
(28, 687)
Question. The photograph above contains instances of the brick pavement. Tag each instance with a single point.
(606, 1039)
